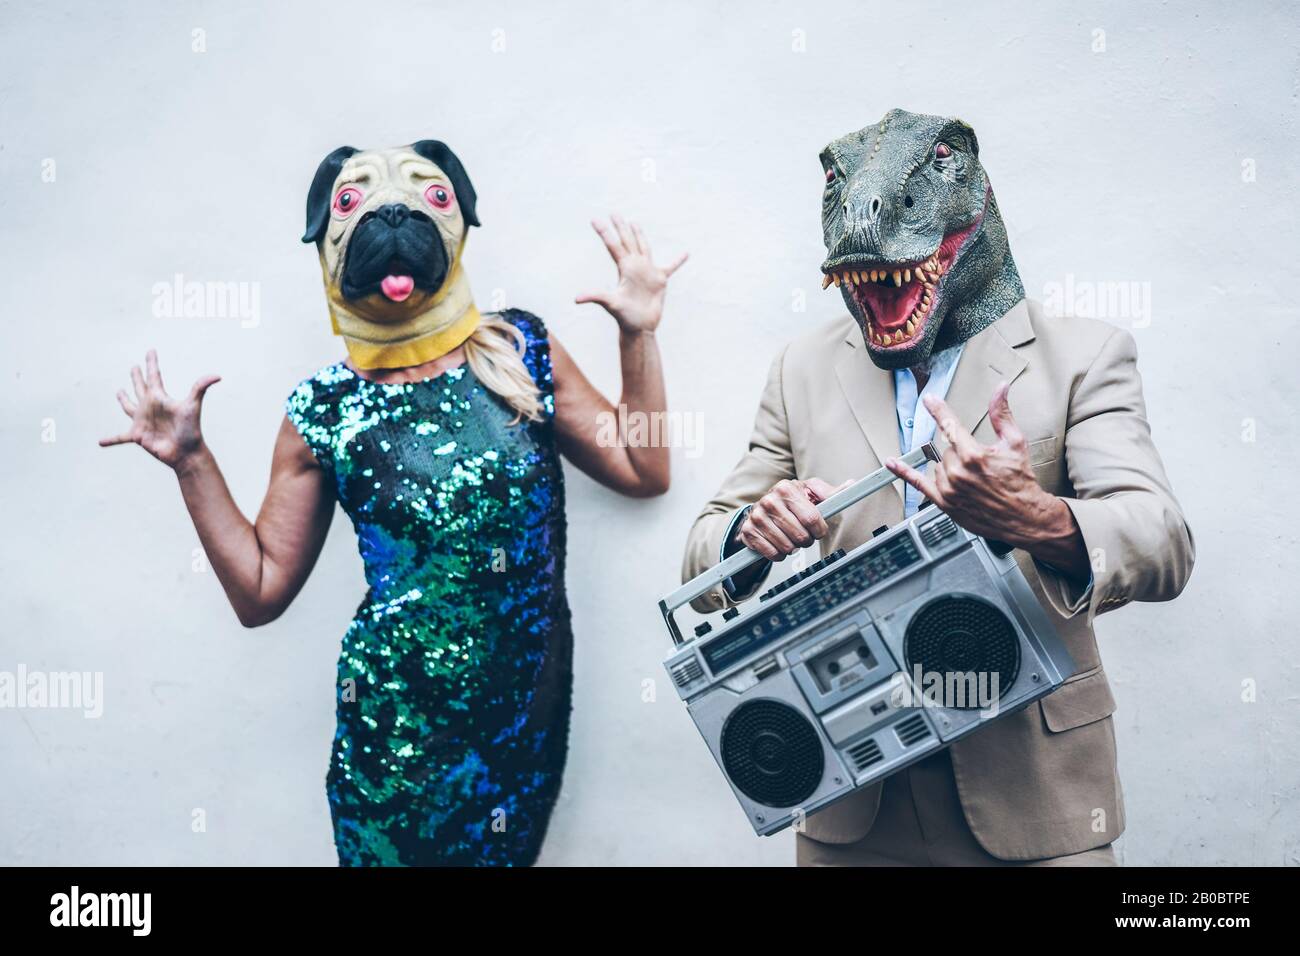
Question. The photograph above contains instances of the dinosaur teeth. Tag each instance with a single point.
(926, 273)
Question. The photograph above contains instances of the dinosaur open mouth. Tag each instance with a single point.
(898, 298)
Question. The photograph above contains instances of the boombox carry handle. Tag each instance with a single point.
(744, 558)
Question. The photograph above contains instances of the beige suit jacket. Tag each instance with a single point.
(1042, 782)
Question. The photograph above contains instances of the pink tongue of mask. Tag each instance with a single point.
(397, 288)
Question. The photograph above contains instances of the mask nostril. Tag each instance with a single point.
(873, 207)
(907, 201)
(394, 213)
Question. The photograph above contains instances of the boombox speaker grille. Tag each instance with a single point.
(960, 634)
(771, 753)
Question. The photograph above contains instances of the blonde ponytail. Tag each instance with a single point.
(495, 353)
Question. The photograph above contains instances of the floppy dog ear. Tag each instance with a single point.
(441, 155)
(322, 186)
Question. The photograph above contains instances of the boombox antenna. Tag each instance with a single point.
(742, 559)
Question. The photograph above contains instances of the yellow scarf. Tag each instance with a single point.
(449, 320)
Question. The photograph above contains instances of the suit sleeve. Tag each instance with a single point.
(1138, 541)
(768, 460)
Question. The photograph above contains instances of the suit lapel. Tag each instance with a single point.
(870, 394)
(989, 357)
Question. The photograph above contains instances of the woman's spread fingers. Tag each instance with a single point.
(624, 233)
(152, 375)
(137, 382)
(610, 238)
(642, 244)
(677, 263)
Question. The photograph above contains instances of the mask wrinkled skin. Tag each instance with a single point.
(421, 245)
(914, 239)
(389, 226)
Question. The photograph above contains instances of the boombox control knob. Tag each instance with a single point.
(703, 628)
(730, 613)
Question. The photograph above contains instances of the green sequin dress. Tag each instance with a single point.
(455, 674)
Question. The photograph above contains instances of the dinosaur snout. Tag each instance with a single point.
(866, 210)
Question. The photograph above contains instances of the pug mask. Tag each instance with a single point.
(390, 226)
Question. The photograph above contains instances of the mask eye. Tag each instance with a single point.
(942, 151)
(439, 196)
(830, 175)
(348, 199)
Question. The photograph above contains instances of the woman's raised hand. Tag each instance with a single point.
(637, 303)
(165, 427)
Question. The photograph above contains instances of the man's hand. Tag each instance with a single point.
(786, 518)
(991, 490)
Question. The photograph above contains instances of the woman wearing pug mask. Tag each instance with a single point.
(441, 436)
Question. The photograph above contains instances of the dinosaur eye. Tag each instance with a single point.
(830, 174)
(439, 196)
(942, 151)
(348, 199)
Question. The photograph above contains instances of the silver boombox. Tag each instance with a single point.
(862, 663)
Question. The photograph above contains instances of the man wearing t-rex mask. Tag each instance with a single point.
(1045, 446)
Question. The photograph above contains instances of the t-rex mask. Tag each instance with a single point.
(390, 226)
(913, 236)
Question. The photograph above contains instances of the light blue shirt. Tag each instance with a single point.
(915, 424)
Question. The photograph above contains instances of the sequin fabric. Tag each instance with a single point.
(455, 674)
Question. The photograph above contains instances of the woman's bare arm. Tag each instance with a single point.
(593, 433)
(589, 425)
(262, 565)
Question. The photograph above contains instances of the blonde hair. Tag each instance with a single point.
(495, 354)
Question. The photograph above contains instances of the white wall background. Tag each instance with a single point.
(1122, 164)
